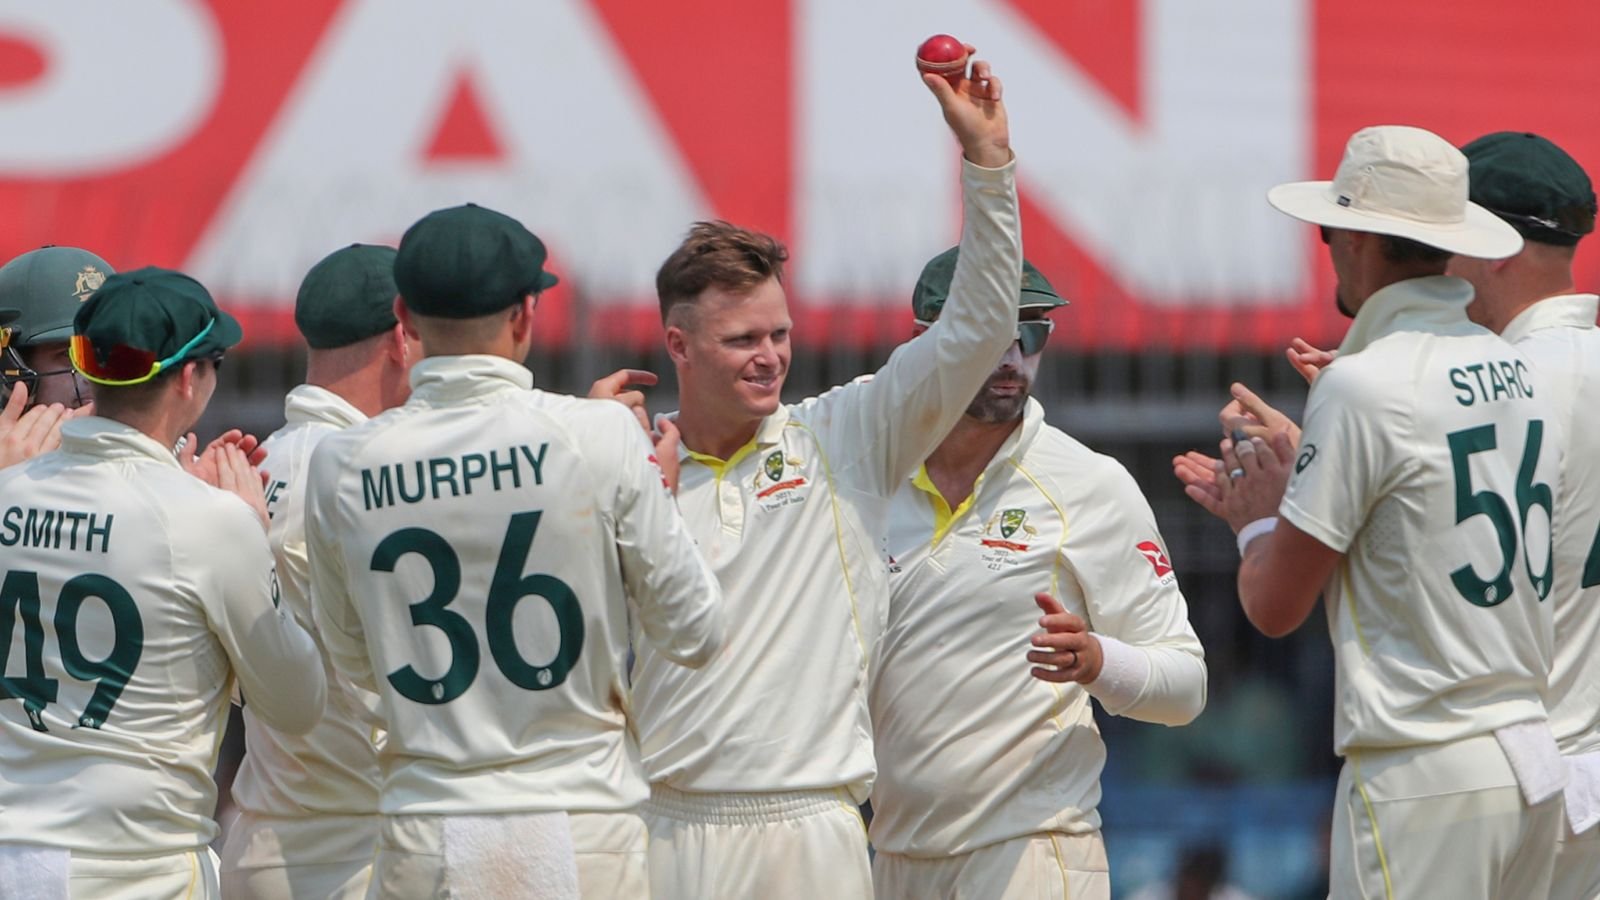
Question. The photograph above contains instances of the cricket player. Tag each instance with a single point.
(1529, 299)
(759, 760)
(1419, 503)
(133, 595)
(308, 804)
(46, 287)
(476, 557)
(988, 785)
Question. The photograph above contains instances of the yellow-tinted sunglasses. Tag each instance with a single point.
(123, 365)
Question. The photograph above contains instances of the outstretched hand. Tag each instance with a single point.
(1308, 360)
(617, 386)
(1253, 416)
(975, 113)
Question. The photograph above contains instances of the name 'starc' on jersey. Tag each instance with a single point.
(1508, 380)
(418, 480)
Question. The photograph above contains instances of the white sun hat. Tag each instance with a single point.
(1406, 182)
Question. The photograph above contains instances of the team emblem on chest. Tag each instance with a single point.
(1004, 537)
(773, 489)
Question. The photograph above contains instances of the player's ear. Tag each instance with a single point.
(186, 379)
(522, 318)
(403, 316)
(398, 348)
(677, 345)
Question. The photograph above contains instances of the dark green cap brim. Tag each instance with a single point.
(933, 287)
(7, 316)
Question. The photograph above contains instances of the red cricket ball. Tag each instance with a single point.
(943, 55)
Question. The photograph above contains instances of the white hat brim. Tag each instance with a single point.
(1480, 234)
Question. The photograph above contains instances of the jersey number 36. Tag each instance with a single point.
(506, 590)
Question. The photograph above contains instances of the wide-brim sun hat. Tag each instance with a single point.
(1405, 182)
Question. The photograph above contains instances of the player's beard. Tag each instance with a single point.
(993, 408)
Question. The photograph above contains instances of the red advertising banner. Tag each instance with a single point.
(242, 141)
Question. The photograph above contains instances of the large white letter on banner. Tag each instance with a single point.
(1171, 204)
(122, 82)
(586, 162)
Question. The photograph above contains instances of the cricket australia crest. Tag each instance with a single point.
(87, 282)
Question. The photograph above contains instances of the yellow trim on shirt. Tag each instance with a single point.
(1350, 601)
(1372, 817)
(719, 467)
(849, 804)
(1055, 575)
(943, 515)
(838, 538)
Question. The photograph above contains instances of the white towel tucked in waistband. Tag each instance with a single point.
(1535, 759)
(1583, 791)
(32, 872)
(523, 855)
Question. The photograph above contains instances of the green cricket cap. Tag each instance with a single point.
(347, 297)
(1532, 184)
(46, 287)
(158, 311)
(933, 287)
(468, 261)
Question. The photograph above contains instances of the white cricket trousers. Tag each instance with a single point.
(610, 848)
(802, 845)
(1046, 866)
(1577, 874)
(279, 858)
(1439, 820)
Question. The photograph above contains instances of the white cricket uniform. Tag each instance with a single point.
(1430, 460)
(976, 758)
(308, 804)
(475, 557)
(133, 594)
(758, 760)
(1559, 337)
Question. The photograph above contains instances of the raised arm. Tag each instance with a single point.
(881, 430)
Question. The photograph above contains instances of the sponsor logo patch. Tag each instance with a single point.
(1151, 551)
(1306, 457)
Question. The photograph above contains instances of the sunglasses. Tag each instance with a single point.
(1031, 333)
(123, 365)
(1326, 234)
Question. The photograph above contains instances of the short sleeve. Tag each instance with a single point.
(1349, 448)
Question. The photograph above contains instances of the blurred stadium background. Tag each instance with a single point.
(241, 142)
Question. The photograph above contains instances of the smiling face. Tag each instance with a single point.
(732, 352)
